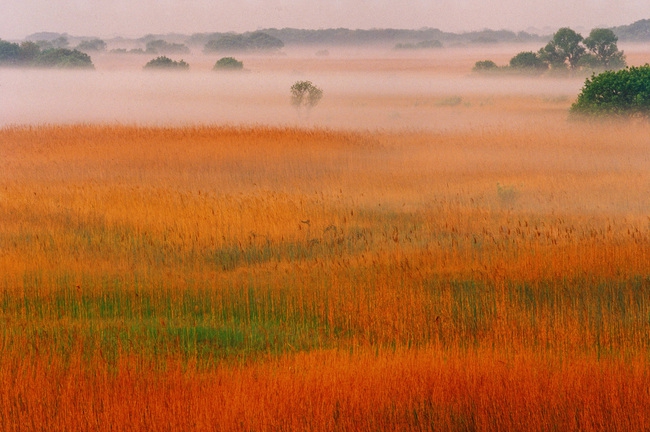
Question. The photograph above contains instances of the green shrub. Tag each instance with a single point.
(625, 92)
(165, 63)
(228, 63)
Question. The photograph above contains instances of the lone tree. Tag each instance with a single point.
(622, 93)
(305, 94)
(602, 45)
(228, 64)
(564, 50)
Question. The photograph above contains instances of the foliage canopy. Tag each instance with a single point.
(625, 92)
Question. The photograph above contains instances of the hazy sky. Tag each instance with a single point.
(19, 18)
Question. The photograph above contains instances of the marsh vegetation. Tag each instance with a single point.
(436, 251)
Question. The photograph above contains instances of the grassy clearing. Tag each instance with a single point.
(310, 279)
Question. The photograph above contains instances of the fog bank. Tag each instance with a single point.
(366, 93)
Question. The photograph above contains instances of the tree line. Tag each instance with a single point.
(51, 55)
(567, 51)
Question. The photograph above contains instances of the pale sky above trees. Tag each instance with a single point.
(19, 18)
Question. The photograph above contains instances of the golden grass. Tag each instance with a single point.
(403, 390)
(284, 279)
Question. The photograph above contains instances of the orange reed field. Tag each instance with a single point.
(258, 278)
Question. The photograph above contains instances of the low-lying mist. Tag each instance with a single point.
(373, 91)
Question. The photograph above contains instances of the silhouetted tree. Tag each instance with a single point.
(305, 94)
(564, 50)
(602, 43)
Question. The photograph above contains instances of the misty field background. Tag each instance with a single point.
(427, 250)
(364, 89)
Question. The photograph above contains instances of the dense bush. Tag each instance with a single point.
(228, 63)
(165, 63)
(616, 93)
